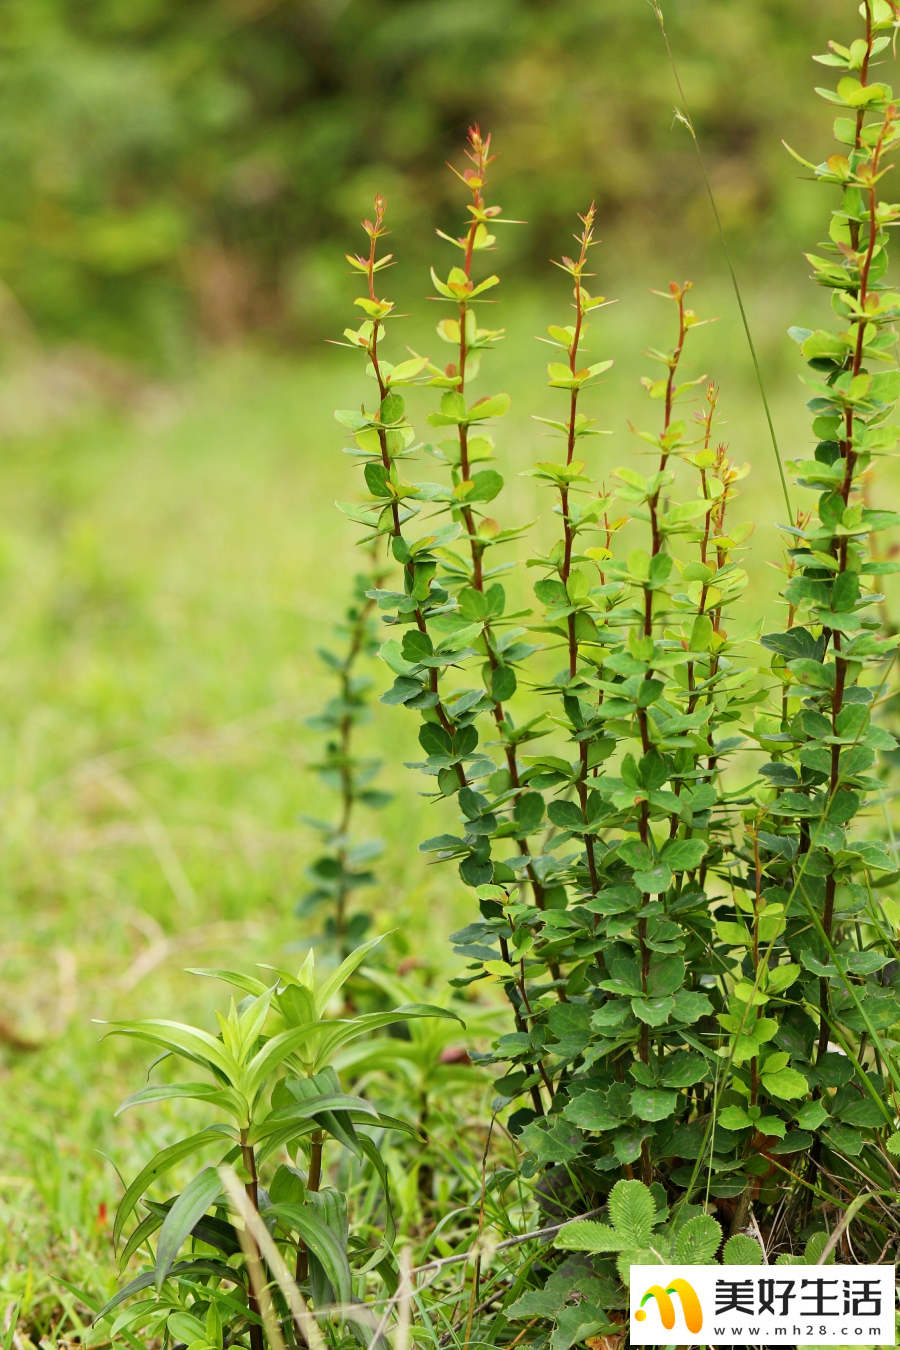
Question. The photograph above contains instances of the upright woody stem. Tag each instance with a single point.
(248, 1158)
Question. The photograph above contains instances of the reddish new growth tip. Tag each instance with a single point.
(374, 231)
(479, 153)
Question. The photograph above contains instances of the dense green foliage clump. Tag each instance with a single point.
(675, 937)
(688, 931)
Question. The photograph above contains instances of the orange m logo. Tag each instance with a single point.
(690, 1305)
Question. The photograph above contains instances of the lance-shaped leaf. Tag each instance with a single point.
(373, 1153)
(321, 1241)
(340, 1033)
(145, 1229)
(276, 1051)
(225, 1098)
(190, 1042)
(388, 1123)
(296, 1002)
(214, 1232)
(273, 1143)
(248, 983)
(148, 1277)
(249, 1024)
(338, 979)
(319, 1104)
(191, 1205)
(163, 1162)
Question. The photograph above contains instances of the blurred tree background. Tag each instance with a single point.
(176, 170)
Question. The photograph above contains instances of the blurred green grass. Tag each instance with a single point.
(167, 570)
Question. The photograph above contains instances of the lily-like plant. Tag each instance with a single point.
(269, 1071)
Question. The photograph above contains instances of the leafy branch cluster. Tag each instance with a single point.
(343, 867)
(690, 939)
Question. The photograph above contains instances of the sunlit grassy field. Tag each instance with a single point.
(169, 563)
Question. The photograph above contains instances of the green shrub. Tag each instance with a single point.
(673, 884)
